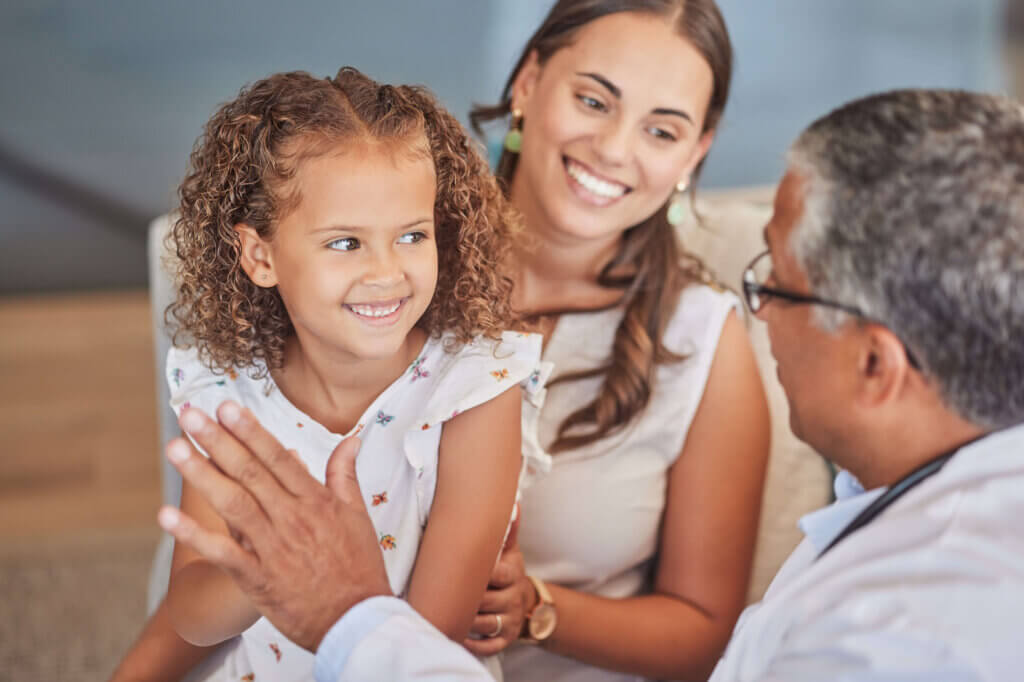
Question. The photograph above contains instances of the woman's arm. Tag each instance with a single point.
(707, 539)
(706, 544)
(205, 605)
(478, 472)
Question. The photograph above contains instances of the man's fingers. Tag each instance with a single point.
(341, 472)
(230, 500)
(283, 464)
(234, 457)
(219, 549)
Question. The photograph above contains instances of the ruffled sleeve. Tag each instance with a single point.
(455, 382)
(483, 370)
(192, 384)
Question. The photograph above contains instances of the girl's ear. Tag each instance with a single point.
(525, 81)
(256, 258)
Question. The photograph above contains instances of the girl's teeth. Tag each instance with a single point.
(371, 311)
(595, 185)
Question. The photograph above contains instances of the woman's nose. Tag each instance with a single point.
(612, 144)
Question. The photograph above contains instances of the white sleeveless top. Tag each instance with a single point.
(591, 521)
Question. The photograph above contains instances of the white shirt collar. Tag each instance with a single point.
(822, 526)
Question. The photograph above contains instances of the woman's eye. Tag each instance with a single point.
(662, 134)
(592, 103)
(344, 244)
(412, 238)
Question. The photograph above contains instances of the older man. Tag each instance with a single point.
(893, 292)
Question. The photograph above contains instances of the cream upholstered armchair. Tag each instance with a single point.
(799, 481)
(728, 238)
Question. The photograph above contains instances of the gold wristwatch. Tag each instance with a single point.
(542, 620)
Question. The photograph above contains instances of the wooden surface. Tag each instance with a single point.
(78, 435)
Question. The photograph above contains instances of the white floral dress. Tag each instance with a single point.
(397, 467)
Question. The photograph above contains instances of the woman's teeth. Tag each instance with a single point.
(602, 188)
(374, 310)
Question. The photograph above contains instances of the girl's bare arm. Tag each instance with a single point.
(478, 472)
(204, 604)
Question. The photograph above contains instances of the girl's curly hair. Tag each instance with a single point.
(239, 173)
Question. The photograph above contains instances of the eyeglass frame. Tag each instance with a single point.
(752, 288)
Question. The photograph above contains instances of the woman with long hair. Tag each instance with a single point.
(637, 534)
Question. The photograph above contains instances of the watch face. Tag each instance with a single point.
(543, 621)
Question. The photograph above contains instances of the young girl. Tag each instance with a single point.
(339, 263)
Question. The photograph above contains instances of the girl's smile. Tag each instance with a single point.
(355, 261)
(379, 314)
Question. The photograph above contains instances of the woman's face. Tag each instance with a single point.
(611, 123)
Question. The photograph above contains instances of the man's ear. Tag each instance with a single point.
(256, 258)
(883, 365)
(525, 81)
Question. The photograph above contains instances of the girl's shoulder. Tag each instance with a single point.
(193, 383)
(459, 377)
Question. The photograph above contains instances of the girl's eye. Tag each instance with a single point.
(412, 238)
(662, 134)
(592, 103)
(344, 244)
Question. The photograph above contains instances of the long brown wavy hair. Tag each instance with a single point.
(660, 267)
(240, 170)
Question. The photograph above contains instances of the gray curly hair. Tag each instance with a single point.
(914, 213)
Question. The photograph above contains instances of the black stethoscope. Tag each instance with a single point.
(896, 491)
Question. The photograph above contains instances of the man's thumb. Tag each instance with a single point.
(341, 471)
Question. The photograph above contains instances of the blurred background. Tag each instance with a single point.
(101, 104)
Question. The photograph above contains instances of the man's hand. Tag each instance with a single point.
(304, 553)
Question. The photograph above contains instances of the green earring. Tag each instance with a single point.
(676, 212)
(514, 137)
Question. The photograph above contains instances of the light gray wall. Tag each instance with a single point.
(798, 59)
(110, 96)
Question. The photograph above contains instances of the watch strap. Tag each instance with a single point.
(543, 597)
(543, 594)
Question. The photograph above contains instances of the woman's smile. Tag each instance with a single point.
(593, 188)
(603, 120)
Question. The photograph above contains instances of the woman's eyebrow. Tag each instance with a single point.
(673, 112)
(617, 93)
(611, 87)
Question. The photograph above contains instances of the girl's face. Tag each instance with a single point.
(356, 261)
(612, 123)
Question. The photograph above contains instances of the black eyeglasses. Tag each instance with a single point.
(758, 294)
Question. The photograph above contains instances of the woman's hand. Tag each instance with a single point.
(510, 596)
